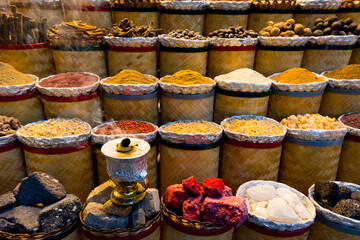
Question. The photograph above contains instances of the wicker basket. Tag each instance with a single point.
(308, 17)
(258, 18)
(53, 14)
(93, 15)
(141, 16)
(321, 231)
(355, 56)
(354, 14)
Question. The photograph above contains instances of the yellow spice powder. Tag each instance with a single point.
(187, 78)
(297, 76)
(9, 76)
(254, 127)
(192, 127)
(129, 76)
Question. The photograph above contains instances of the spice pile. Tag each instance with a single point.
(297, 76)
(69, 80)
(339, 199)
(253, 127)
(55, 128)
(210, 202)
(275, 4)
(285, 29)
(233, 32)
(187, 78)
(185, 34)
(8, 125)
(125, 127)
(334, 26)
(126, 28)
(350, 4)
(9, 76)
(244, 75)
(348, 72)
(351, 120)
(129, 76)
(197, 127)
(312, 121)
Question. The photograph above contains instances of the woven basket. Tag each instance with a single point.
(355, 56)
(335, 104)
(308, 19)
(171, 21)
(355, 16)
(139, 18)
(94, 16)
(320, 231)
(53, 16)
(257, 21)
(216, 21)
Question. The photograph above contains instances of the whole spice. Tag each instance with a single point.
(312, 121)
(69, 80)
(254, 127)
(8, 125)
(9, 76)
(185, 34)
(350, 4)
(347, 72)
(129, 76)
(126, 28)
(125, 127)
(233, 32)
(297, 76)
(352, 120)
(199, 127)
(275, 4)
(335, 26)
(284, 29)
(186, 78)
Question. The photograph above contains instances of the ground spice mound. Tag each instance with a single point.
(69, 80)
(8, 125)
(186, 78)
(297, 76)
(199, 127)
(9, 76)
(129, 76)
(125, 127)
(352, 120)
(254, 127)
(347, 72)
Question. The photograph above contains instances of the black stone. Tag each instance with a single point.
(349, 208)
(6, 226)
(137, 218)
(7, 201)
(26, 219)
(328, 191)
(345, 193)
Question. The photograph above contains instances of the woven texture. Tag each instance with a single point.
(27, 111)
(178, 164)
(172, 62)
(88, 111)
(81, 61)
(319, 60)
(308, 19)
(228, 106)
(38, 62)
(143, 110)
(257, 21)
(169, 22)
(100, 19)
(154, 236)
(268, 62)
(240, 164)
(221, 62)
(75, 235)
(139, 18)
(301, 165)
(144, 62)
(219, 21)
(246, 233)
(355, 56)
(320, 231)
(186, 109)
(283, 106)
(337, 104)
(73, 170)
(53, 16)
(349, 166)
(12, 169)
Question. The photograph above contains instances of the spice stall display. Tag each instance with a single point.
(275, 211)
(231, 49)
(61, 148)
(202, 211)
(337, 210)
(72, 95)
(349, 9)
(241, 92)
(251, 149)
(190, 148)
(78, 47)
(12, 163)
(131, 95)
(311, 151)
(132, 47)
(295, 91)
(18, 97)
(186, 95)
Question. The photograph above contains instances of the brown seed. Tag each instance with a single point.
(279, 26)
(275, 32)
(307, 32)
(299, 29)
(289, 33)
(291, 21)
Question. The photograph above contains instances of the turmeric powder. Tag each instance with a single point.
(297, 76)
(9, 76)
(347, 72)
(186, 78)
(129, 76)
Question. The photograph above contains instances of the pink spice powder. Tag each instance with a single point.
(69, 80)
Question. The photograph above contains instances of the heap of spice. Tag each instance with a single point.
(297, 76)
(350, 4)
(244, 75)
(125, 127)
(55, 128)
(233, 32)
(352, 120)
(312, 121)
(129, 76)
(334, 26)
(187, 78)
(185, 34)
(254, 127)
(8, 125)
(199, 127)
(348, 72)
(289, 28)
(275, 4)
(126, 28)
(69, 80)
(9, 76)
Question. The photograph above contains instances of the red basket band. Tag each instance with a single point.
(273, 233)
(254, 145)
(54, 151)
(132, 49)
(25, 46)
(235, 48)
(88, 8)
(70, 99)
(10, 146)
(18, 97)
(352, 138)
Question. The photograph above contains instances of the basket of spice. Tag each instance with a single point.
(61, 148)
(350, 9)
(251, 149)
(186, 95)
(72, 95)
(231, 49)
(188, 148)
(18, 97)
(337, 210)
(342, 95)
(132, 47)
(39, 208)
(12, 163)
(94, 12)
(24, 45)
(78, 47)
(201, 211)
(223, 14)
(131, 95)
(276, 211)
(126, 128)
(311, 151)
(295, 91)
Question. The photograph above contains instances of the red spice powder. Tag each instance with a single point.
(125, 127)
(69, 80)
